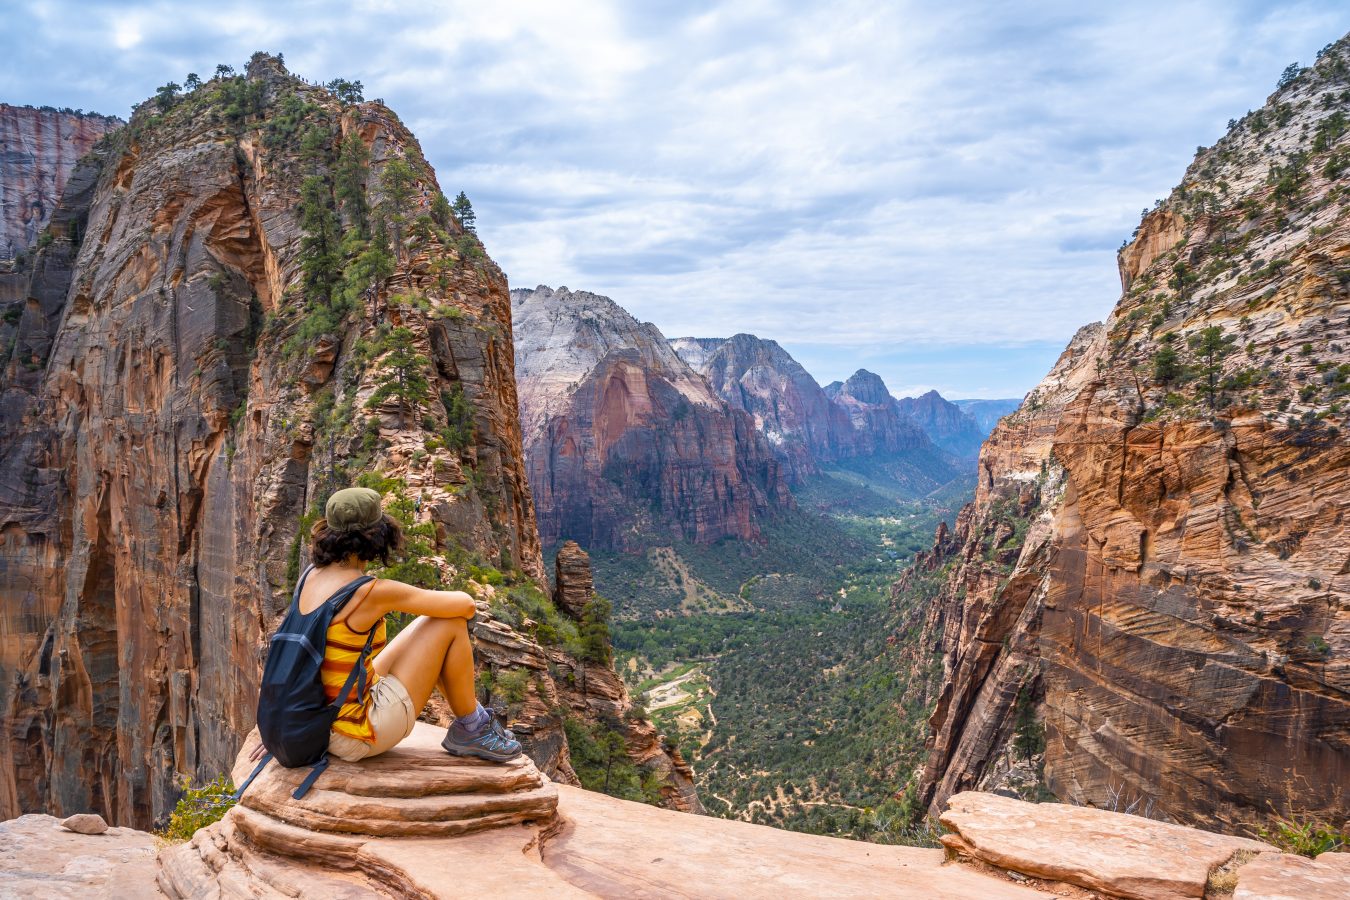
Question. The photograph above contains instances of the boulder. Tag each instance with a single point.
(1112, 853)
(85, 823)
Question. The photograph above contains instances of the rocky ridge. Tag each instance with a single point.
(1146, 604)
(808, 426)
(251, 297)
(624, 442)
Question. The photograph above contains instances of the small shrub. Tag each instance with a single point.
(197, 808)
(1309, 838)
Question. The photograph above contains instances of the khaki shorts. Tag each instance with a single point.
(391, 718)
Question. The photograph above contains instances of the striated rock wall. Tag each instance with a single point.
(1147, 601)
(791, 410)
(624, 442)
(38, 150)
(182, 395)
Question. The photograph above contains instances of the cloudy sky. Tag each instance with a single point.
(934, 191)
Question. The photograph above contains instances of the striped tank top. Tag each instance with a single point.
(339, 655)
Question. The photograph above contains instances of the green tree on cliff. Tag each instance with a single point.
(399, 185)
(353, 167)
(192, 82)
(320, 253)
(347, 91)
(166, 95)
(1211, 345)
(463, 210)
(405, 368)
(594, 631)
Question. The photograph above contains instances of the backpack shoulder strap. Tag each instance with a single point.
(239, 792)
(358, 673)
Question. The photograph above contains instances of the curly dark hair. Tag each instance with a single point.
(367, 544)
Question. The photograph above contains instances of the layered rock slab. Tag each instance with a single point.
(1115, 854)
(381, 825)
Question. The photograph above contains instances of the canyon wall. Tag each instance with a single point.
(1147, 605)
(254, 295)
(38, 150)
(791, 410)
(624, 443)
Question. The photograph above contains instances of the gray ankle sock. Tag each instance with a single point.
(475, 721)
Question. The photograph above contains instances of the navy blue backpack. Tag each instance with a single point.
(294, 716)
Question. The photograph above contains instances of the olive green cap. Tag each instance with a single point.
(353, 508)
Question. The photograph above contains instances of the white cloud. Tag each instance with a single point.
(857, 176)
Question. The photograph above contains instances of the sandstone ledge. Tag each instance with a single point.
(1125, 856)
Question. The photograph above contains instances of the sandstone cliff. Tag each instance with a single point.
(624, 443)
(254, 295)
(38, 151)
(788, 406)
(1146, 605)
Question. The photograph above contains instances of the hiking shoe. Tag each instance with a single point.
(493, 742)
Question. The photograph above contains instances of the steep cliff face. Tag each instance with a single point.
(1147, 602)
(944, 423)
(38, 150)
(624, 442)
(787, 405)
(265, 301)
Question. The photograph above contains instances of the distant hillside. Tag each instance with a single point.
(986, 413)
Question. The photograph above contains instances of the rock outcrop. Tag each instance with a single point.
(594, 692)
(945, 423)
(198, 364)
(624, 443)
(1147, 603)
(381, 830)
(38, 150)
(1128, 856)
(788, 407)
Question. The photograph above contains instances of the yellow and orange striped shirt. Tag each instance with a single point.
(340, 654)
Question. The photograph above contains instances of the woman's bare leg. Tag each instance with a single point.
(429, 652)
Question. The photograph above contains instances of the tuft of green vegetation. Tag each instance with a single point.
(197, 808)
(1308, 838)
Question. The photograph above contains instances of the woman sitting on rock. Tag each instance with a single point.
(432, 651)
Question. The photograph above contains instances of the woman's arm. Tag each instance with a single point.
(394, 596)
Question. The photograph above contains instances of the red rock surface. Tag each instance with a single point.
(1158, 581)
(38, 151)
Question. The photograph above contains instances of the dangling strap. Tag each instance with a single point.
(267, 758)
(314, 772)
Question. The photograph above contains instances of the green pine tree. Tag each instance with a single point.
(463, 211)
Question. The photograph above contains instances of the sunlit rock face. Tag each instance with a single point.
(1153, 571)
(624, 442)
